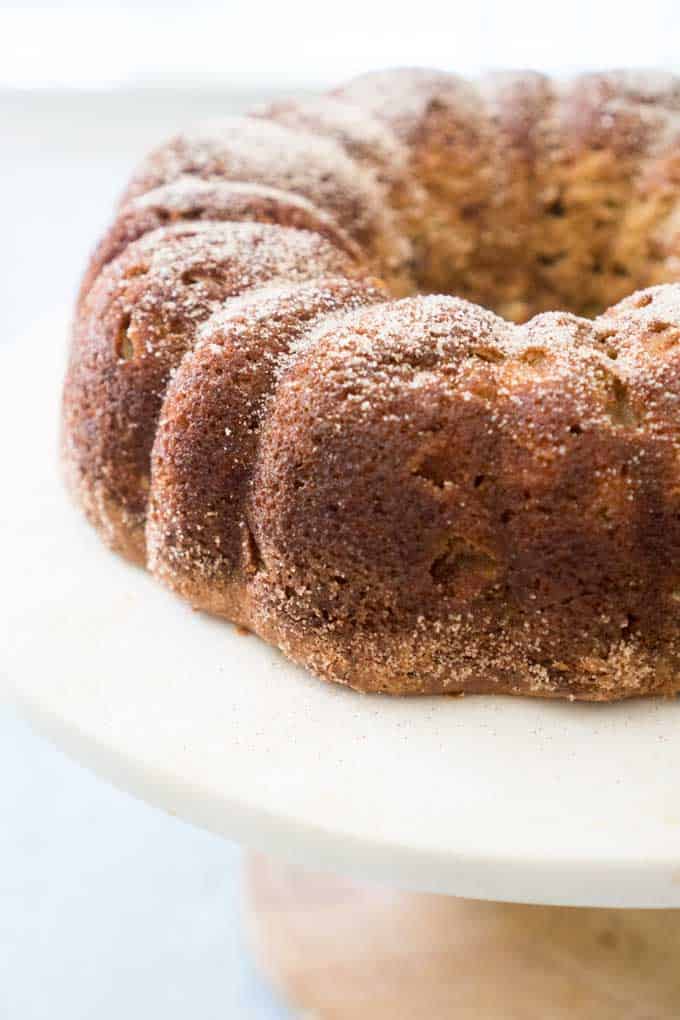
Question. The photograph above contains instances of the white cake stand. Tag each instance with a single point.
(494, 799)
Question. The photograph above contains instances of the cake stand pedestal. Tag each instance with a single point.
(349, 950)
(493, 799)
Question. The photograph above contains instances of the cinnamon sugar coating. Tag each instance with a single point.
(422, 494)
(136, 323)
(257, 151)
(190, 199)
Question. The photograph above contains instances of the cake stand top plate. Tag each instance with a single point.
(498, 798)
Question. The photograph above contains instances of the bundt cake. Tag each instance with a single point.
(318, 384)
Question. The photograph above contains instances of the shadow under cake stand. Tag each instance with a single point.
(465, 830)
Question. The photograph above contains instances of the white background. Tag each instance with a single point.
(108, 908)
(306, 40)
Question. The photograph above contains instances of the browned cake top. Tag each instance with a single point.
(191, 199)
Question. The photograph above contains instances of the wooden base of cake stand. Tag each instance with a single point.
(343, 950)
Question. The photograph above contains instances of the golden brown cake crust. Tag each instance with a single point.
(416, 495)
(521, 522)
(190, 199)
(137, 321)
(262, 152)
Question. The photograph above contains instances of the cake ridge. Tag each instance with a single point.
(152, 298)
(207, 550)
